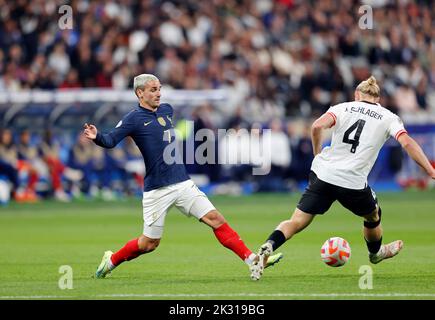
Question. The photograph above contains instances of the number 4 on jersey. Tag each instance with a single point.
(358, 126)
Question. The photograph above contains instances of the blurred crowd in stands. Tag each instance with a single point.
(44, 165)
(278, 57)
(65, 165)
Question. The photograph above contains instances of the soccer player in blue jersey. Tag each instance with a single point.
(165, 185)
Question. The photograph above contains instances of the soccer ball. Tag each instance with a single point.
(335, 252)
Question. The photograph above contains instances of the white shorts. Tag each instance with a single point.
(184, 195)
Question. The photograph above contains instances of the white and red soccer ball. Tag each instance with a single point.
(335, 252)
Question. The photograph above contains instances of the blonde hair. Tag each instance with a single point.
(369, 87)
(141, 80)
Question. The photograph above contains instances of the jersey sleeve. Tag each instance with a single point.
(396, 127)
(122, 129)
(335, 112)
(168, 108)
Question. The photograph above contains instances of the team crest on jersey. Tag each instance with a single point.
(161, 121)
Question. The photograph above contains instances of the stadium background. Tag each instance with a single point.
(223, 64)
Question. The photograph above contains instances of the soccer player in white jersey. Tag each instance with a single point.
(339, 172)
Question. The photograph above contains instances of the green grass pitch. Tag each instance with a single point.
(37, 239)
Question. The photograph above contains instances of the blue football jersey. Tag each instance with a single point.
(152, 131)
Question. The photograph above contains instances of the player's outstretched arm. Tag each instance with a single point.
(90, 131)
(326, 121)
(416, 153)
(111, 139)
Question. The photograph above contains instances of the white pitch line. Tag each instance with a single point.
(201, 295)
(33, 297)
(210, 295)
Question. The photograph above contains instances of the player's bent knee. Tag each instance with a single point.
(214, 219)
(373, 220)
(372, 224)
(146, 244)
(300, 220)
(152, 245)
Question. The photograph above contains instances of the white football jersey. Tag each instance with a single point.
(359, 132)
